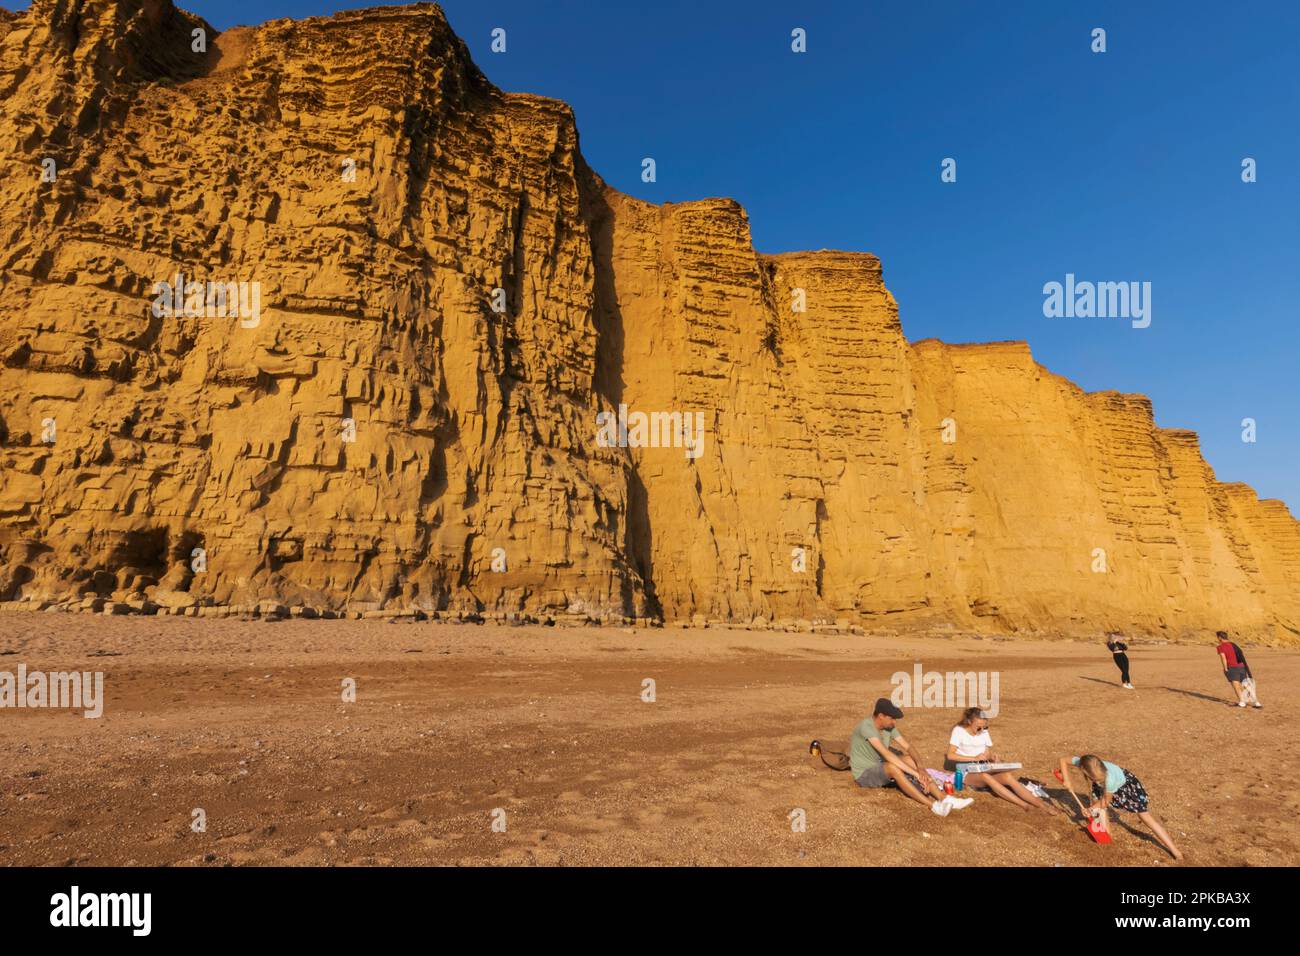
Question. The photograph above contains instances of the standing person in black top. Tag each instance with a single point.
(1115, 644)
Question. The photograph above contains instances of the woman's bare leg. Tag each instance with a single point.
(1023, 792)
(1150, 820)
(992, 783)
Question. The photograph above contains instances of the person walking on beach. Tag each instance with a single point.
(1237, 671)
(1119, 650)
(876, 763)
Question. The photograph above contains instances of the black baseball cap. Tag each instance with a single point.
(886, 706)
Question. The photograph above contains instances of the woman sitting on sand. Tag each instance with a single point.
(970, 743)
(1113, 787)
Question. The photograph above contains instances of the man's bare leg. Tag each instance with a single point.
(900, 778)
(927, 782)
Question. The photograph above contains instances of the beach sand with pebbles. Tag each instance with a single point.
(244, 719)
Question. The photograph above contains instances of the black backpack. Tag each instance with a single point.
(1241, 656)
(840, 761)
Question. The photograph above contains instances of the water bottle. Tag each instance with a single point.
(957, 779)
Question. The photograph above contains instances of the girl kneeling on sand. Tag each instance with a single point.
(970, 743)
(1113, 787)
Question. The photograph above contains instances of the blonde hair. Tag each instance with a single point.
(1094, 767)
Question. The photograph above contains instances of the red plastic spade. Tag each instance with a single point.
(1097, 831)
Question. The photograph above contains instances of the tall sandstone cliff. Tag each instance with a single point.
(824, 487)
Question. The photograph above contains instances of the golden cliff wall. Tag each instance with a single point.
(824, 488)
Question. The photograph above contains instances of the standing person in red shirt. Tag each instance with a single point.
(1236, 670)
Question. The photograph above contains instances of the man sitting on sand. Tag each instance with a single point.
(876, 764)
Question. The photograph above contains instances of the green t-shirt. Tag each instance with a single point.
(863, 756)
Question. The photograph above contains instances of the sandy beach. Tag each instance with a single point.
(453, 724)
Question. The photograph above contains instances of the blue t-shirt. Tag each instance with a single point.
(1114, 774)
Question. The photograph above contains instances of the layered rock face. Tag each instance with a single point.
(427, 392)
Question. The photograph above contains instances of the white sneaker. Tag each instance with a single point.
(1241, 703)
(961, 803)
(1128, 686)
(941, 807)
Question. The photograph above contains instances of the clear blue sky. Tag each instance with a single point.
(1117, 166)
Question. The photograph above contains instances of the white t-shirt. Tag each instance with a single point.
(968, 744)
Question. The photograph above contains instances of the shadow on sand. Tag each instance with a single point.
(1199, 696)
(1117, 819)
(1108, 683)
(1061, 797)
